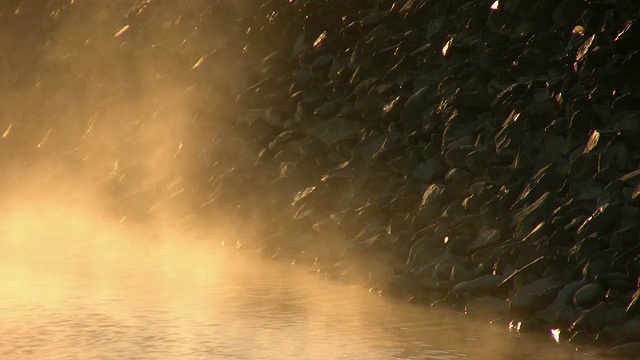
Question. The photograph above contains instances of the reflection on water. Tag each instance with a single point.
(73, 288)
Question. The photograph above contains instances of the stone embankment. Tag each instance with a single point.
(465, 152)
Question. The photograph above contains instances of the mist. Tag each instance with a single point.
(113, 106)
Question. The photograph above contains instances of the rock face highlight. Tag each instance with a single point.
(453, 151)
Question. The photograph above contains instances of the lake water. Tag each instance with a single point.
(72, 287)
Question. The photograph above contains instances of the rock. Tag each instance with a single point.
(600, 220)
(432, 199)
(537, 266)
(585, 189)
(419, 101)
(633, 308)
(461, 123)
(625, 350)
(509, 138)
(368, 147)
(589, 295)
(632, 178)
(609, 335)
(478, 100)
(617, 317)
(456, 175)
(456, 157)
(428, 170)
(403, 284)
(631, 329)
(485, 284)
(628, 121)
(486, 238)
(562, 303)
(340, 175)
(487, 307)
(446, 267)
(615, 280)
(337, 129)
(593, 320)
(535, 296)
(534, 214)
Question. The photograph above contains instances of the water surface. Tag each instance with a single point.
(72, 287)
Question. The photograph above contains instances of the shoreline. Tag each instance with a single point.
(453, 153)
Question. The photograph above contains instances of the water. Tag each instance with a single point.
(72, 287)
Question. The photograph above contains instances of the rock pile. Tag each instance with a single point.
(470, 152)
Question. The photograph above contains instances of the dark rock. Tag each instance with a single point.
(403, 284)
(447, 267)
(471, 100)
(582, 338)
(600, 220)
(428, 170)
(589, 295)
(368, 147)
(340, 175)
(485, 284)
(593, 320)
(461, 123)
(337, 129)
(628, 350)
(632, 178)
(479, 159)
(419, 101)
(487, 307)
(510, 137)
(537, 266)
(631, 328)
(614, 280)
(529, 217)
(457, 157)
(627, 121)
(486, 238)
(562, 303)
(633, 308)
(585, 189)
(535, 296)
(432, 199)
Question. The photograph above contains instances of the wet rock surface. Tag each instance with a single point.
(452, 152)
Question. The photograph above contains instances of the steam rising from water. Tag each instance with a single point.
(113, 105)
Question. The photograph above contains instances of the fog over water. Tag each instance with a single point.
(108, 116)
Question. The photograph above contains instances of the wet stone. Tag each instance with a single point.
(456, 175)
(428, 170)
(615, 280)
(485, 239)
(627, 121)
(589, 295)
(600, 220)
(594, 319)
(478, 100)
(562, 302)
(457, 157)
(485, 284)
(487, 307)
(633, 308)
(622, 351)
(535, 296)
(529, 217)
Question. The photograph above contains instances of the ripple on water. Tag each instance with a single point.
(176, 298)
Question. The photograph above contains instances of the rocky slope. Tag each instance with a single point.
(466, 152)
